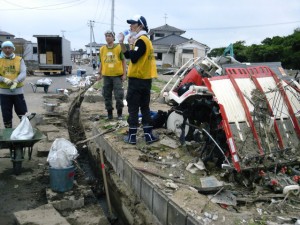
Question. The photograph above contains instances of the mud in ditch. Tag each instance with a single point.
(85, 169)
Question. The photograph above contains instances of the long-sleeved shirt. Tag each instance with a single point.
(21, 77)
(137, 52)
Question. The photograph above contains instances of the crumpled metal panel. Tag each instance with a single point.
(294, 98)
(226, 95)
(274, 97)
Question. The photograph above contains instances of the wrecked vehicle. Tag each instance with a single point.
(244, 117)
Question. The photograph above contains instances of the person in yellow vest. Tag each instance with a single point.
(141, 71)
(113, 70)
(12, 75)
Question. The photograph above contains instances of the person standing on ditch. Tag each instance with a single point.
(113, 70)
(94, 64)
(12, 75)
(141, 71)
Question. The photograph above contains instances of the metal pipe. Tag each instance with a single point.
(205, 131)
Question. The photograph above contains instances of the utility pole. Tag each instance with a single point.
(91, 25)
(112, 15)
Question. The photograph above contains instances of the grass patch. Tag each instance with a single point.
(155, 88)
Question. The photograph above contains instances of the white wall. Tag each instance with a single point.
(197, 50)
(28, 52)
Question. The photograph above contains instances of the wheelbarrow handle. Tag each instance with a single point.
(31, 116)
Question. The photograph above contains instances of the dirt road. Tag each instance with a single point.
(27, 190)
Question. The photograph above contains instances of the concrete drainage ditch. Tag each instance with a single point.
(126, 206)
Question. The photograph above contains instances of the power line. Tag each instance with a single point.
(240, 27)
(45, 7)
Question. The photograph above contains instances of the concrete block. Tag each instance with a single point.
(93, 97)
(136, 179)
(91, 215)
(176, 216)
(160, 206)
(42, 148)
(192, 221)
(120, 167)
(127, 173)
(46, 214)
(128, 214)
(106, 147)
(66, 200)
(107, 153)
(113, 160)
(47, 128)
(147, 193)
(51, 136)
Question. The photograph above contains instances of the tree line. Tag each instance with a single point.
(276, 49)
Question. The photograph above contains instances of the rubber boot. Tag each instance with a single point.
(131, 137)
(8, 124)
(109, 114)
(149, 137)
(119, 112)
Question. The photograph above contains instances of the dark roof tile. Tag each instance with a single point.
(170, 39)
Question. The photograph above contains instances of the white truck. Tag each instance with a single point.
(54, 54)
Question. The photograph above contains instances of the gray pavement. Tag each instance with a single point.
(35, 101)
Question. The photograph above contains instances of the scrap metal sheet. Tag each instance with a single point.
(274, 97)
(227, 96)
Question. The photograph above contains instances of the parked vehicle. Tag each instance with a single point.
(54, 54)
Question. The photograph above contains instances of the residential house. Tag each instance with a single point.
(77, 55)
(5, 36)
(93, 47)
(26, 49)
(170, 48)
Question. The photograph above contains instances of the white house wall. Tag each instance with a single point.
(181, 58)
(28, 52)
(168, 58)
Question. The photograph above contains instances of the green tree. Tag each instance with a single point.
(272, 49)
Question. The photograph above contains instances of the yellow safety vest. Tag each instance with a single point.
(111, 62)
(145, 67)
(10, 68)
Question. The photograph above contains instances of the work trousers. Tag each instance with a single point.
(113, 84)
(7, 104)
(138, 98)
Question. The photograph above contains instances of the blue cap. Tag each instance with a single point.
(8, 44)
(138, 19)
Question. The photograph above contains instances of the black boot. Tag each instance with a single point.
(131, 137)
(119, 112)
(149, 137)
(109, 114)
(8, 124)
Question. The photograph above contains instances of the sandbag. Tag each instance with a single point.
(61, 154)
(23, 131)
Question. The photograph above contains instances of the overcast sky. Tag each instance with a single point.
(216, 23)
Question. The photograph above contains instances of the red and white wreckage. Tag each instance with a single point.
(244, 117)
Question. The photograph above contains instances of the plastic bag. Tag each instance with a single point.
(61, 154)
(45, 81)
(23, 131)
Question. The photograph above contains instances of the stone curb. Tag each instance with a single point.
(163, 208)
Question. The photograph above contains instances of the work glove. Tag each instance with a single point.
(7, 81)
(13, 86)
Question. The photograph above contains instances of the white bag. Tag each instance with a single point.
(45, 81)
(61, 154)
(23, 131)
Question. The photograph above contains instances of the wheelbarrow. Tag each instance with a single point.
(18, 147)
(36, 85)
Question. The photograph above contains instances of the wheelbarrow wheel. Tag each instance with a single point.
(17, 166)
